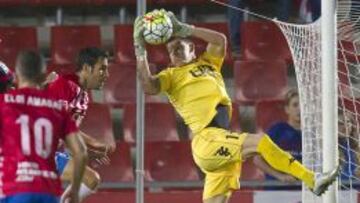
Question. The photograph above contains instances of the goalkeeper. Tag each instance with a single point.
(195, 87)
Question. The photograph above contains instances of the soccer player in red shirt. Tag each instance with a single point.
(91, 73)
(6, 83)
(31, 124)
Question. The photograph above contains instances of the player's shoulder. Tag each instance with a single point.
(70, 79)
(67, 83)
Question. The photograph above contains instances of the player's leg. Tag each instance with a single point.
(284, 162)
(219, 185)
(217, 153)
(276, 157)
(90, 182)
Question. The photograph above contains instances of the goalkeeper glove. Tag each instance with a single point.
(180, 29)
(139, 42)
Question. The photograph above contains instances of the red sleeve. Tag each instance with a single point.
(63, 89)
(69, 125)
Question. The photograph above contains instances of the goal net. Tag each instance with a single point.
(305, 45)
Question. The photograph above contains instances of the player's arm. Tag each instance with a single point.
(216, 40)
(97, 150)
(266, 168)
(77, 148)
(150, 83)
(93, 143)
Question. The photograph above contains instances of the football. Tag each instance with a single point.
(158, 27)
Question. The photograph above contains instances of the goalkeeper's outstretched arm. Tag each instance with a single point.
(150, 83)
(216, 40)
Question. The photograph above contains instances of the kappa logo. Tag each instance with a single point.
(222, 151)
(292, 160)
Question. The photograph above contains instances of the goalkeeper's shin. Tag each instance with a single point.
(283, 161)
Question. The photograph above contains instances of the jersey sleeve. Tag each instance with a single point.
(69, 93)
(164, 80)
(216, 61)
(69, 125)
(63, 89)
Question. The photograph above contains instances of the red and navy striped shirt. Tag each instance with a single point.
(67, 88)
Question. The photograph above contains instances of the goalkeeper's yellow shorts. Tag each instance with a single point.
(218, 154)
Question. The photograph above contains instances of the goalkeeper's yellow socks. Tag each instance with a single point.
(283, 161)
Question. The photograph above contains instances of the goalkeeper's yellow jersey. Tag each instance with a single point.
(196, 89)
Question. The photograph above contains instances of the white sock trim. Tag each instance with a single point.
(84, 191)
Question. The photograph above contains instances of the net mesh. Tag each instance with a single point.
(305, 45)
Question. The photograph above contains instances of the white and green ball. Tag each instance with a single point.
(158, 27)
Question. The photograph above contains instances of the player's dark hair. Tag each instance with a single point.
(30, 65)
(291, 93)
(89, 56)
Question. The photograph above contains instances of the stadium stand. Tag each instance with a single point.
(256, 43)
(61, 68)
(160, 122)
(59, 3)
(259, 80)
(10, 45)
(269, 112)
(68, 3)
(120, 170)
(11, 3)
(123, 44)
(120, 87)
(116, 2)
(169, 161)
(66, 41)
(98, 123)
